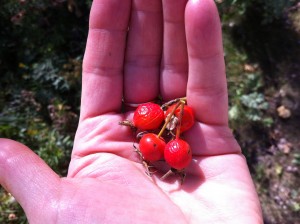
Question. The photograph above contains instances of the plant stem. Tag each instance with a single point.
(183, 99)
(179, 119)
(168, 119)
(171, 102)
(167, 174)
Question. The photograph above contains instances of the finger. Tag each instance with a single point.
(143, 54)
(102, 81)
(206, 89)
(26, 177)
(174, 67)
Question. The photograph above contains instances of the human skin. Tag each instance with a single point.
(173, 49)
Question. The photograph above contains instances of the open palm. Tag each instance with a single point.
(172, 49)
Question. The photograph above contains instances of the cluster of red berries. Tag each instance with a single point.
(160, 129)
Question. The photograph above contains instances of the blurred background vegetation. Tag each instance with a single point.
(41, 50)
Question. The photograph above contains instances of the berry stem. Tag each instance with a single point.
(168, 119)
(129, 124)
(179, 119)
(183, 99)
(171, 102)
(170, 172)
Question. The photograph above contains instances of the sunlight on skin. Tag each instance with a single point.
(106, 182)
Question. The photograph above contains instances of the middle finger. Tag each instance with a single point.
(143, 54)
(174, 67)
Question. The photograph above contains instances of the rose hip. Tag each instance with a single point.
(188, 117)
(178, 154)
(148, 116)
(152, 147)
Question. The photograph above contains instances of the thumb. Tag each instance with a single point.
(26, 176)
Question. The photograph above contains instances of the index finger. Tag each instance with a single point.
(207, 87)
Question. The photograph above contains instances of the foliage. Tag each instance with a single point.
(10, 211)
(247, 101)
(21, 120)
(270, 9)
(52, 78)
(37, 38)
(296, 159)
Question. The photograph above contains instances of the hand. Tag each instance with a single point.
(172, 48)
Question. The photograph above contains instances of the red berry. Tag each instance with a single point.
(152, 147)
(188, 117)
(178, 154)
(148, 116)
